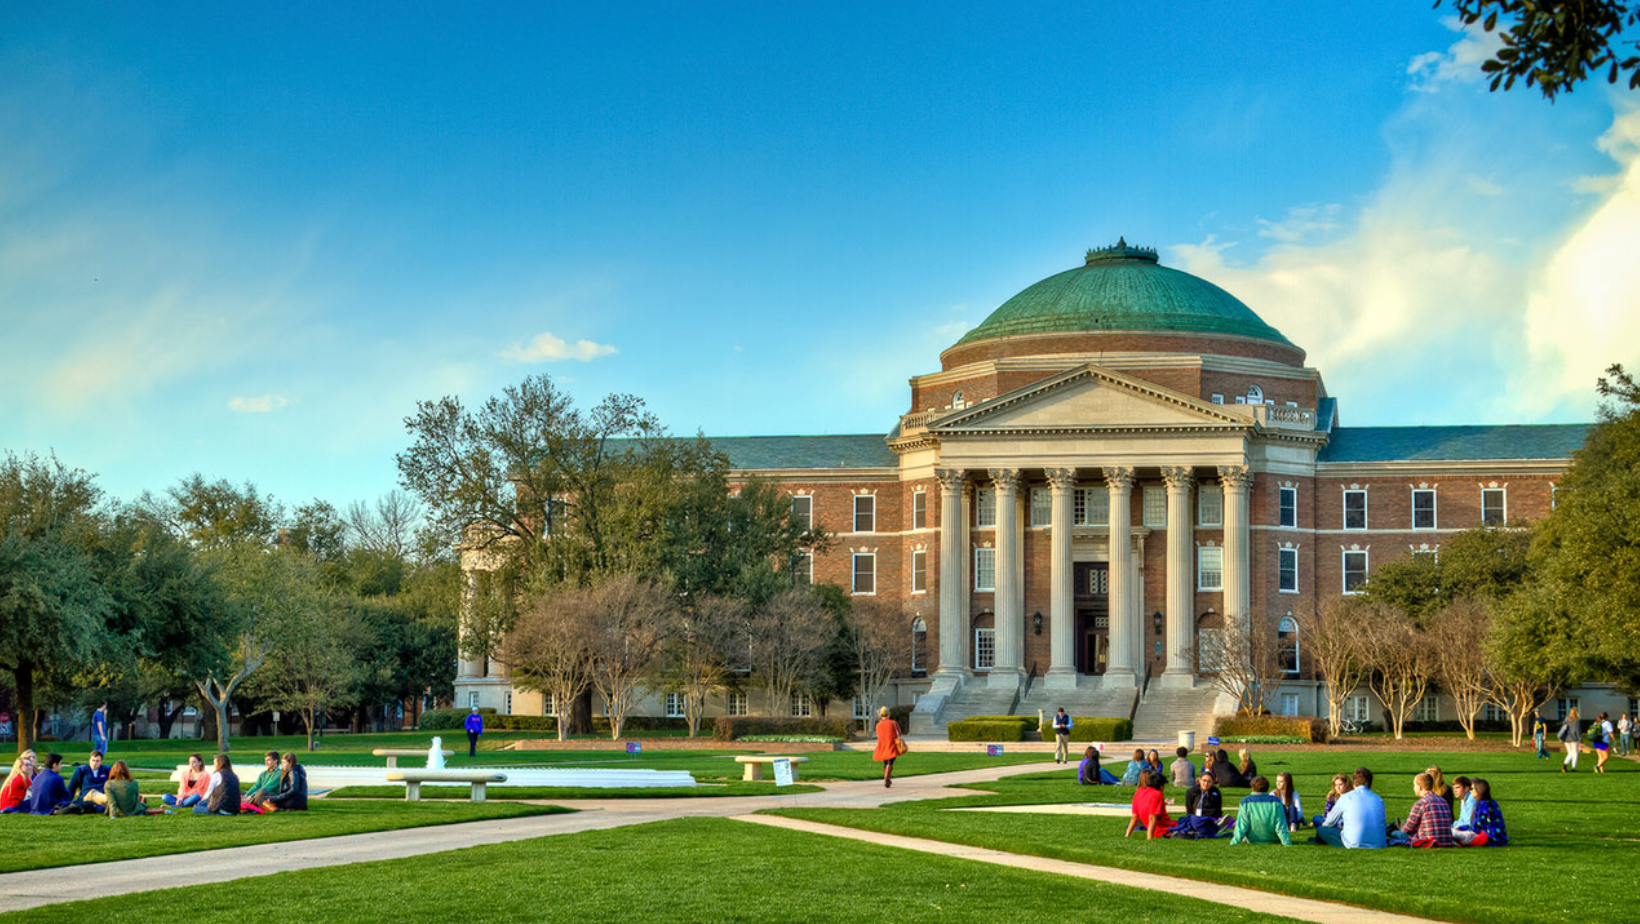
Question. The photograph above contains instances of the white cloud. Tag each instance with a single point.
(546, 348)
(1303, 222)
(1481, 186)
(1460, 63)
(262, 404)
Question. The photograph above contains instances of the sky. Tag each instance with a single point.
(244, 240)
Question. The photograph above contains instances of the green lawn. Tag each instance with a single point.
(737, 788)
(688, 870)
(40, 842)
(1568, 835)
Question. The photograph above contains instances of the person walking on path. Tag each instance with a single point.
(475, 727)
(1625, 735)
(1061, 736)
(890, 744)
(99, 729)
(1540, 733)
(1571, 735)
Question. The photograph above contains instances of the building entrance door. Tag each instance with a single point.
(1092, 601)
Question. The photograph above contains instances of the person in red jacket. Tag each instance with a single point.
(17, 782)
(888, 744)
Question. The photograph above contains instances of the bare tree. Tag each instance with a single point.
(218, 687)
(880, 638)
(1245, 662)
(698, 650)
(387, 527)
(1332, 638)
(1456, 634)
(787, 636)
(548, 648)
(630, 623)
(1401, 665)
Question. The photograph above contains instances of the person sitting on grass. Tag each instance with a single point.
(225, 798)
(1429, 824)
(1135, 768)
(1463, 803)
(1184, 772)
(293, 789)
(1225, 772)
(1340, 785)
(1153, 762)
(1486, 828)
(15, 789)
(48, 792)
(86, 785)
(1441, 788)
(267, 784)
(1261, 819)
(1149, 807)
(193, 786)
(1248, 768)
(1356, 820)
(1291, 805)
(124, 797)
(1203, 810)
(1089, 773)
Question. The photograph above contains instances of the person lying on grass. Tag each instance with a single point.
(1150, 807)
(1429, 824)
(1261, 819)
(1485, 828)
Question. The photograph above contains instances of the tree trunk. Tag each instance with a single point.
(581, 714)
(307, 719)
(25, 705)
(167, 717)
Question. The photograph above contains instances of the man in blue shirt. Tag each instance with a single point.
(47, 793)
(475, 727)
(1357, 818)
(1062, 736)
(86, 785)
(99, 729)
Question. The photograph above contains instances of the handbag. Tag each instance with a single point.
(899, 747)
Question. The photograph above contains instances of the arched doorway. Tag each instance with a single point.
(1209, 642)
(1091, 597)
(985, 642)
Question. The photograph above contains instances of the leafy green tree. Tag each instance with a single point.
(217, 514)
(312, 639)
(1557, 46)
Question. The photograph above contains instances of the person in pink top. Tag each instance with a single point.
(196, 783)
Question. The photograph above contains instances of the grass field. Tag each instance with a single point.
(688, 870)
(40, 842)
(1574, 838)
(737, 788)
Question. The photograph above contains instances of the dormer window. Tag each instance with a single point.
(1255, 395)
(958, 402)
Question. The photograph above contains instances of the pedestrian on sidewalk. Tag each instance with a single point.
(475, 727)
(1540, 734)
(1571, 735)
(1061, 736)
(890, 744)
(1625, 735)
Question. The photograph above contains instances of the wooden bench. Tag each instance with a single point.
(412, 780)
(393, 754)
(754, 764)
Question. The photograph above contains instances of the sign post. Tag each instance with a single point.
(782, 771)
(993, 750)
(634, 747)
(1213, 742)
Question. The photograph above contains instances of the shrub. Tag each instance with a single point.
(901, 715)
(1451, 725)
(1305, 728)
(791, 739)
(987, 729)
(1092, 728)
(640, 723)
(732, 728)
(448, 719)
(1266, 739)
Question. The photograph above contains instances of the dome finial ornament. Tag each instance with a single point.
(1121, 250)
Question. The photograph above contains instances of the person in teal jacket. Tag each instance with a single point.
(1261, 819)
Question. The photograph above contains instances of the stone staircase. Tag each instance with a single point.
(974, 697)
(1084, 700)
(971, 699)
(1165, 711)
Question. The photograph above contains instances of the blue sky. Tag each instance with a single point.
(245, 240)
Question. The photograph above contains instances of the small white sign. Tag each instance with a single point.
(782, 771)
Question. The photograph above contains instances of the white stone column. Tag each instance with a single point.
(1061, 596)
(1238, 483)
(1181, 578)
(1124, 620)
(953, 655)
(1010, 593)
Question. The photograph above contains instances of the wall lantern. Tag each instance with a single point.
(1158, 619)
(1036, 622)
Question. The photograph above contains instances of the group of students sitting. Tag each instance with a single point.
(36, 788)
(1462, 814)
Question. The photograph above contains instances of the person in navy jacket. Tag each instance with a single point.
(47, 793)
(86, 785)
(475, 727)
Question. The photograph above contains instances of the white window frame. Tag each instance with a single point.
(1344, 574)
(1091, 507)
(985, 508)
(1358, 708)
(1202, 570)
(1344, 509)
(472, 699)
(1282, 555)
(672, 705)
(985, 643)
(854, 574)
(549, 705)
(859, 706)
(919, 571)
(1215, 398)
(1289, 704)
(1434, 509)
(918, 626)
(979, 585)
(802, 706)
(1283, 507)
(737, 703)
(1289, 626)
(1503, 516)
(1427, 709)
(919, 509)
(1203, 508)
(1153, 501)
(1255, 395)
(870, 514)
(807, 503)
(1566, 704)
(1041, 507)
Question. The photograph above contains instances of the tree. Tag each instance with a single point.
(548, 651)
(787, 635)
(1457, 635)
(216, 514)
(1397, 655)
(707, 635)
(1525, 660)
(1246, 662)
(1333, 640)
(880, 641)
(311, 640)
(388, 527)
(1556, 46)
(631, 624)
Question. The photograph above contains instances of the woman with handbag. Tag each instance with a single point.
(890, 744)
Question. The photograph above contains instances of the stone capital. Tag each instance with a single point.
(1178, 476)
(1119, 479)
(952, 480)
(1006, 479)
(1061, 479)
(1235, 477)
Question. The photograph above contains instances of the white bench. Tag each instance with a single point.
(754, 764)
(393, 754)
(412, 780)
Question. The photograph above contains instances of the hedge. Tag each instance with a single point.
(729, 728)
(1093, 728)
(451, 719)
(1305, 728)
(987, 729)
(640, 723)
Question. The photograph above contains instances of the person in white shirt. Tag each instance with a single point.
(1357, 818)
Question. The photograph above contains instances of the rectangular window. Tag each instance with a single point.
(1491, 713)
(985, 507)
(919, 571)
(1494, 506)
(1093, 507)
(985, 570)
(985, 649)
(737, 703)
(802, 706)
(865, 573)
(803, 568)
(1210, 653)
(1210, 568)
(674, 705)
(1289, 704)
(1355, 510)
(919, 509)
(1423, 508)
(1216, 398)
(1155, 506)
(1079, 506)
(549, 704)
(1287, 564)
(1210, 505)
(509, 702)
(1288, 507)
(859, 706)
(865, 513)
(1566, 704)
(1355, 571)
(803, 512)
(919, 643)
(472, 699)
(1427, 710)
(1041, 507)
(1357, 709)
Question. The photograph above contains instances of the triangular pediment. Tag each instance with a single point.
(1088, 397)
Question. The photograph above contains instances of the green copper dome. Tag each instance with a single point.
(1123, 288)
